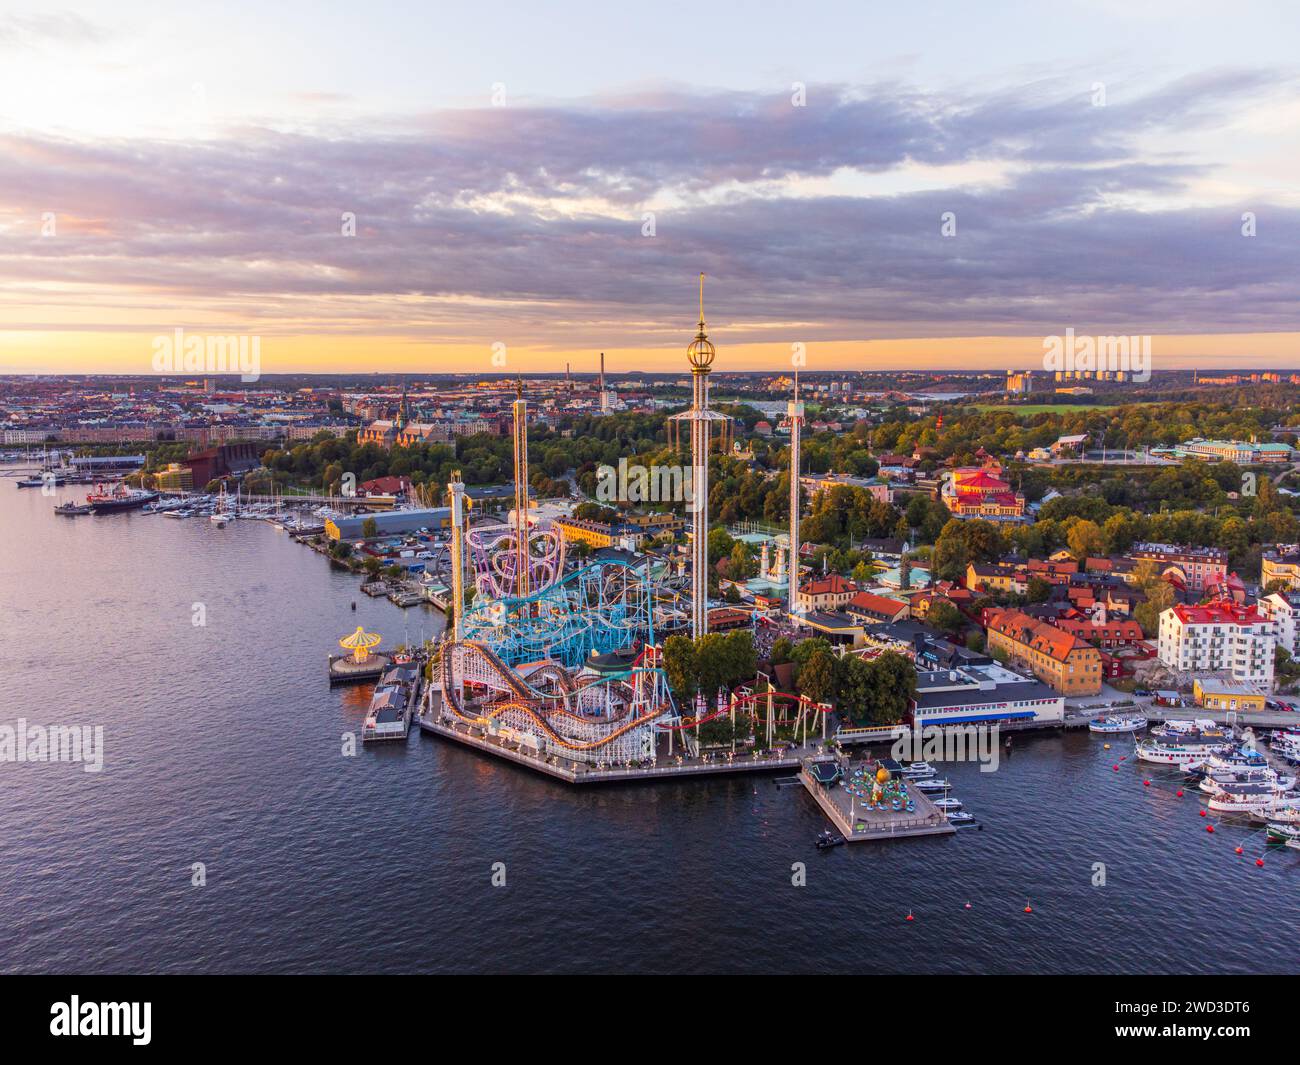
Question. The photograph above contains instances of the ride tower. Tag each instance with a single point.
(795, 411)
(456, 500)
(520, 409)
(700, 354)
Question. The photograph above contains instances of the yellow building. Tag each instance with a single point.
(1280, 567)
(1058, 659)
(595, 533)
(1224, 693)
(175, 478)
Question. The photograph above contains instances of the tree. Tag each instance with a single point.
(370, 528)
(1085, 540)
(1038, 589)
(1160, 597)
(741, 564)
(944, 616)
(895, 680)
(817, 677)
(680, 666)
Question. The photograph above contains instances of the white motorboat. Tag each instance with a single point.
(959, 817)
(947, 804)
(918, 769)
(1118, 723)
(1184, 743)
(931, 784)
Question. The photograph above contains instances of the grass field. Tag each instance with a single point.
(1049, 408)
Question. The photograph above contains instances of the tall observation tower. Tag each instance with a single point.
(795, 410)
(700, 355)
(520, 408)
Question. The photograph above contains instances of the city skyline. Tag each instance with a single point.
(842, 187)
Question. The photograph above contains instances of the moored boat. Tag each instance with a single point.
(1118, 723)
(119, 497)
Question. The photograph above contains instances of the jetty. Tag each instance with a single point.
(855, 820)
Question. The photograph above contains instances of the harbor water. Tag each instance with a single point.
(224, 756)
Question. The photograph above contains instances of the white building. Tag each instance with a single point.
(1218, 637)
(1283, 610)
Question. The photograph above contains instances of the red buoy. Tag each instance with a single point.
(909, 916)
(1180, 793)
(1028, 908)
(1202, 813)
(1116, 768)
(1209, 828)
(1259, 861)
(1240, 851)
(968, 905)
(1146, 783)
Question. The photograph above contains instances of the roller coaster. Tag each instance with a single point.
(519, 668)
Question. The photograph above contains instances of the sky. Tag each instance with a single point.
(434, 188)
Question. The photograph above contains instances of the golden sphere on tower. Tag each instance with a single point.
(700, 352)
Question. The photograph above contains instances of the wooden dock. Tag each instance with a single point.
(858, 824)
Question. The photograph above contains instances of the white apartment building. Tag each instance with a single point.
(1218, 637)
(1283, 610)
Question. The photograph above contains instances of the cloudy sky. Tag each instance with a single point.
(553, 177)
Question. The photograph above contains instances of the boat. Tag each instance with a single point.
(827, 839)
(959, 817)
(1118, 723)
(933, 784)
(947, 804)
(1184, 743)
(1217, 780)
(1281, 832)
(71, 509)
(1245, 799)
(918, 769)
(106, 501)
(1279, 810)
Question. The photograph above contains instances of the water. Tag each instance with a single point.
(223, 747)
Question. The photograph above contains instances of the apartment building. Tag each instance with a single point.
(1062, 661)
(1219, 637)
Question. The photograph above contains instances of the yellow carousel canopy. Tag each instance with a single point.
(360, 643)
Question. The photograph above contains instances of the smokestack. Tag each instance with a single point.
(602, 371)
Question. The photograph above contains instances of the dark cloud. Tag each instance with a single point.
(526, 222)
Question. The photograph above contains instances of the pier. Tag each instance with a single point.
(429, 720)
(857, 823)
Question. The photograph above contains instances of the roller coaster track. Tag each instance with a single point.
(526, 698)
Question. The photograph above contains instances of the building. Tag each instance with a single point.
(1219, 692)
(175, 478)
(1242, 452)
(978, 492)
(1189, 565)
(1070, 445)
(224, 460)
(876, 609)
(1064, 662)
(1102, 633)
(390, 523)
(1218, 637)
(1283, 610)
(1281, 564)
(824, 482)
(982, 694)
(825, 593)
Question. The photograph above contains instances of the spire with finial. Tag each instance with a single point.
(519, 387)
(701, 351)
